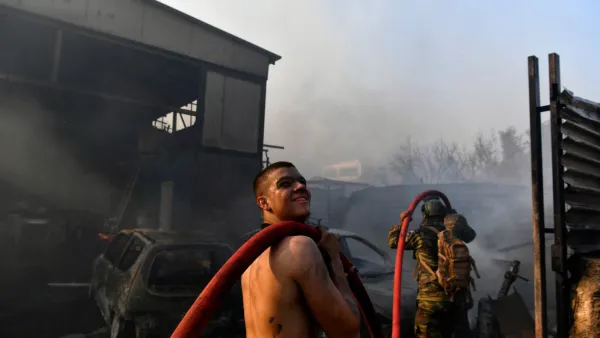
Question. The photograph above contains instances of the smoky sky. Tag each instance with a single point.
(358, 77)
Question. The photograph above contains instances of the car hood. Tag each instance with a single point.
(380, 290)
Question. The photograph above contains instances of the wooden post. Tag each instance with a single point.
(166, 206)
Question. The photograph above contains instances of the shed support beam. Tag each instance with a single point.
(57, 55)
(110, 97)
(166, 205)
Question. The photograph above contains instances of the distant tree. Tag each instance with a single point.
(501, 155)
(404, 162)
(437, 163)
(514, 165)
(481, 159)
(513, 144)
(447, 162)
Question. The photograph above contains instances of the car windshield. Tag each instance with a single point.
(365, 258)
(185, 269)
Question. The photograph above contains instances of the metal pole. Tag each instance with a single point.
(329, 204)
(559, 249)
(165, 217)
(57, 55)
(272, 146)
(174, 122)
(537, 197)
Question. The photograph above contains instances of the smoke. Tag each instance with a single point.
(500, 214)
(358, 77)
(37, 162)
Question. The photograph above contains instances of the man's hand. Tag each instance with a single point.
(329, 243)
(394, 232)
(393, 235)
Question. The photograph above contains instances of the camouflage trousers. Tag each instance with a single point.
(441, 320)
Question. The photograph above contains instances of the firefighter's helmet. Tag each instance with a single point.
(434, 207)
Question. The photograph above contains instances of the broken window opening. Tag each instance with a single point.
(183, 118)
(131, 255)
(115, 248)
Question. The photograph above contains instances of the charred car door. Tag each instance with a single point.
(104, 266)
(123, 273)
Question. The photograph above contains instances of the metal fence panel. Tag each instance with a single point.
(575, 134)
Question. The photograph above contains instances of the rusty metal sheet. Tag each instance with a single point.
(581, 164)
(582, 218)
(589, 154)
(581, 133)
(579, 116)
(582, 108)
(513, 315)
(581, 180)
(580, 197)
(584, 241)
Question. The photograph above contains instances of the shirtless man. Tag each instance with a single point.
(289, 291)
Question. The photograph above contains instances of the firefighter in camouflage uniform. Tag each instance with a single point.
(438, 313)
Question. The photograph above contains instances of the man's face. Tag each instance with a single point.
(285, 195)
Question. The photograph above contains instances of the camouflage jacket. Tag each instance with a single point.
(424, 244)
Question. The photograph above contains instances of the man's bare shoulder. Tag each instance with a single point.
(297, 247)
(295, 255)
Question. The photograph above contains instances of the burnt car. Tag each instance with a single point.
(376, 270)
(146, 280)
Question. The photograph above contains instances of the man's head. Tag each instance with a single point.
(433, 208)
(281, 193)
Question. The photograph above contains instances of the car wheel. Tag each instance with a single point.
(121, 328)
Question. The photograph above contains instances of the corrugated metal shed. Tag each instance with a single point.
(153, 23)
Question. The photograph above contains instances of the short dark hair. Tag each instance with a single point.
(260, 179)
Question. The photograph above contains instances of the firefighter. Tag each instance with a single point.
(439, 314)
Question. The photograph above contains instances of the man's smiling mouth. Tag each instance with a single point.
(302, 199)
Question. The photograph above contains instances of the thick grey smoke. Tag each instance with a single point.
(358, 77)
(501, 215)
(40, 164)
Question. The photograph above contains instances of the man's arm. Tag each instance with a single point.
(410, 242)
(331, 301)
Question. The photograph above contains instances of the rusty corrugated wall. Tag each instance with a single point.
(575, 145)
(579, 155)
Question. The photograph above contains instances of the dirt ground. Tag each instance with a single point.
(50, 312)
(52, 320)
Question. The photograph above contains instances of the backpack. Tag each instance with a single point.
(454, 263)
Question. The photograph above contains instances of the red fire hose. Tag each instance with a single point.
(199, 313)
(397, 309)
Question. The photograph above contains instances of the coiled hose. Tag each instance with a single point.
(200, 312)
(397, 309)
